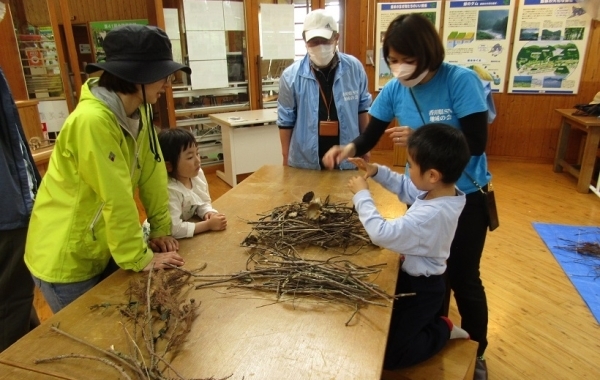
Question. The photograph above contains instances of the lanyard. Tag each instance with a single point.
(327, 105)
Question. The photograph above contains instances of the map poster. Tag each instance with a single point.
(386, 13)
(549, 47)
(477, 35)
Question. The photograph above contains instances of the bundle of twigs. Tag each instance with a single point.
(310, 222)
(158, 318)
(587, 249)
(289, 276)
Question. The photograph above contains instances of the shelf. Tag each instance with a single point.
(209, 92)
(212, 109)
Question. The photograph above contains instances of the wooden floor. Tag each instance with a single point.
(539, 327)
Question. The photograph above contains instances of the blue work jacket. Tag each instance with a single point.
(298, 106)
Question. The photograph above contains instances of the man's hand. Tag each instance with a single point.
(337, 154)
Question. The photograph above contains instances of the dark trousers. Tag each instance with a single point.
(17, 315)
(463, 270)
(416, 331)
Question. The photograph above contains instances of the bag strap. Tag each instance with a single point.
(417, 104)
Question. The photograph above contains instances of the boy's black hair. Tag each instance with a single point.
(172, 142)
(441, 147)
(115, 84)
(414, 36)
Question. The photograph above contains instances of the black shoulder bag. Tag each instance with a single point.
(490, 203)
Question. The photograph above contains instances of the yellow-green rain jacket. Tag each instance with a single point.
(85, 209)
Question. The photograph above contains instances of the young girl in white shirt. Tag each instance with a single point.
(188, 189)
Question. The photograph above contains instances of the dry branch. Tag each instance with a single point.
(159, 316)
(286, 274)
(310, 222)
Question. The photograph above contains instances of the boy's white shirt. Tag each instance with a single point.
(185, 203)
(423, 235)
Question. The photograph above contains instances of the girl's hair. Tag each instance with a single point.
(116, 84)
(441, 147)
(414, 36)
(172, 142)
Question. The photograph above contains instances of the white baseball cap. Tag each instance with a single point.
(319, 23)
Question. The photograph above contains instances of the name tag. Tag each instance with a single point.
(328, 128)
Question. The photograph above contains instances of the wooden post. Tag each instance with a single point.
(10, 58)
(165, 104)
(253, 54)
(71, 48)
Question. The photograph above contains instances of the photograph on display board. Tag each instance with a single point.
(477, 36)
(549, 47)
(386, 13)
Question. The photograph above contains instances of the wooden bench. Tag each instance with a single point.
(456, 361)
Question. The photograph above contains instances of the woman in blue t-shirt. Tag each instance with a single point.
(428, 90)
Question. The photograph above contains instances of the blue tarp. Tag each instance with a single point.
(583, 271)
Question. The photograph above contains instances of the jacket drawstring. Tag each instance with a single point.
(152, 134)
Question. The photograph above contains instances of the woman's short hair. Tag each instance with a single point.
(441, 147)
(115, 84)
(172, 142)
(413, 35)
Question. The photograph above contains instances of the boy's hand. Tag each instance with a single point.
(357, 183)
(370, 169)
(217, 222)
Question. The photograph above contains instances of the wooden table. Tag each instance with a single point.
(250, 140)
(12, 372)
(590, 125)
(244, 334)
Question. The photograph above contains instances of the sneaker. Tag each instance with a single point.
(481, 372)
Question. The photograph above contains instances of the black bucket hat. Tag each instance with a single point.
(138, 54)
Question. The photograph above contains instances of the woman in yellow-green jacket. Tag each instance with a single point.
(85, 212)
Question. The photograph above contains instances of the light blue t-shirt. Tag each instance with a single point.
(424, 234)
(454, 92)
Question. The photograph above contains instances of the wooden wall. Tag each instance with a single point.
(83, 11)
(526, 128)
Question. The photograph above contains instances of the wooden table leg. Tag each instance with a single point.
(588, 160)
(561, 149)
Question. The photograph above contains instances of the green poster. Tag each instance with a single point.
(99, 29)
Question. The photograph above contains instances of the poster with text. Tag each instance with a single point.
(549, 47)
(98, 30)
(477, 35)
(386, 13)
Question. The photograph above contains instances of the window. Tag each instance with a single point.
(301, 8)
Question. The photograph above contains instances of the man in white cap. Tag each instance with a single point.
(323, 98)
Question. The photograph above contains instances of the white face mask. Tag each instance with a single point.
(322, 54)
(402, 71)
